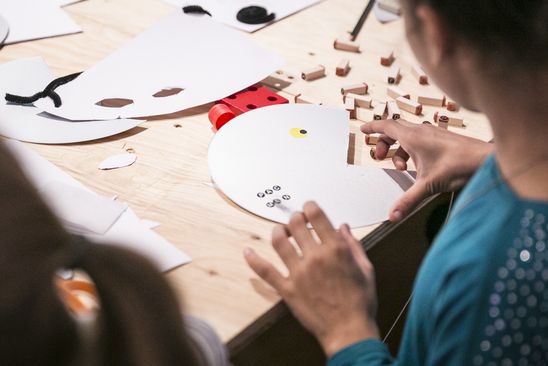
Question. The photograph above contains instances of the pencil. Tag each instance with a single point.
(362, 20)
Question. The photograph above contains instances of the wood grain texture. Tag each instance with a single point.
(170, 183)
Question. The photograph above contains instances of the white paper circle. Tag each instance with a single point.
(271, 160)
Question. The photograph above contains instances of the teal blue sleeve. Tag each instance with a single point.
(367, 352)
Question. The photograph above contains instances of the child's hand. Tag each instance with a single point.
(444, 160)
(331, 284)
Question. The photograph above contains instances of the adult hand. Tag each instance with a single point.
(445, 161)
(331, 284)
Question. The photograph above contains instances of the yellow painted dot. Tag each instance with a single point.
(298, 132)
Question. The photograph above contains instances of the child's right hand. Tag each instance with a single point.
(445, 161)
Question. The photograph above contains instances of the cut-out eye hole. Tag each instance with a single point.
(298, 132)
(114, 102)
(167, 92)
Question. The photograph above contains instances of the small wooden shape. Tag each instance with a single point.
(301, 99)
(388, 59)
(279, 80)
(343, 68)
(392, 6)
(313, 73)
(379, 111)
(395, 92)
(443, 122)
(450, 119)
(431, 100)
(394, 75)
(350, 106)
(452, 106)
(419, 74)
(362, 101)
(393, 110)
(389, 155)
(372, 138)
(360, 89)
(346, 45)
(409, 105)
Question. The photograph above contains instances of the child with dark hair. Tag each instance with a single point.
(138, 322)
(481, 295)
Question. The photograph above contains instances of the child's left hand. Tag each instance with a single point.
(331, 283)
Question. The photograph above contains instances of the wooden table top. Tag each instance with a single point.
(170, 181)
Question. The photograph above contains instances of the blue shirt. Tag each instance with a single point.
(481, 295)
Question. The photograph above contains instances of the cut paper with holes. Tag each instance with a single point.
(226, 11)
(79, 208)
(272, 160)
(27, 123)
(181, 62)
(32, 19)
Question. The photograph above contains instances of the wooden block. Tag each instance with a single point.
(430, 100)
(450, 119)
(343, 68)
(379, 111)
(360, 89)
(389, 155)
(393, 76)
(346, 45)
(395, 92)
(409, 105)
(392, 6)
(299, 98)
(278, 80)
(372, 138)
(314, 73)
(350, 106)
(393, 110)
(388, 59)
(452, 106)
(419, 74)
(362, 101)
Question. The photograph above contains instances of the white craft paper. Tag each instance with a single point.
(259, 157)
(67, 2)
(4, 30)
(192, 52)
(28, 123)
(81, 211)
(225, 11)
(384, 16)
(118, 161)
(34, 19)
(128, 231)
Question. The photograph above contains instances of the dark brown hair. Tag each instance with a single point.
(516, 30)
(139, 323)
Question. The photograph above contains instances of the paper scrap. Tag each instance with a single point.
(181, 62)
(28, 123)
(225, 11)
(80, 210)
(128, 231)
(118, 161)
(272, 160)
(384, 16)
(31, 19)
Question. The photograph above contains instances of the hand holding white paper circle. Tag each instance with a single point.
(272, 160)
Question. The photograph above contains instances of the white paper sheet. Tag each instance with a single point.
(28, 123)
(32, 19)
(384, 16)
(191, 52)
(262, 156)
(128, 231)
(67, 2)
(225, 11)
(4, 30)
